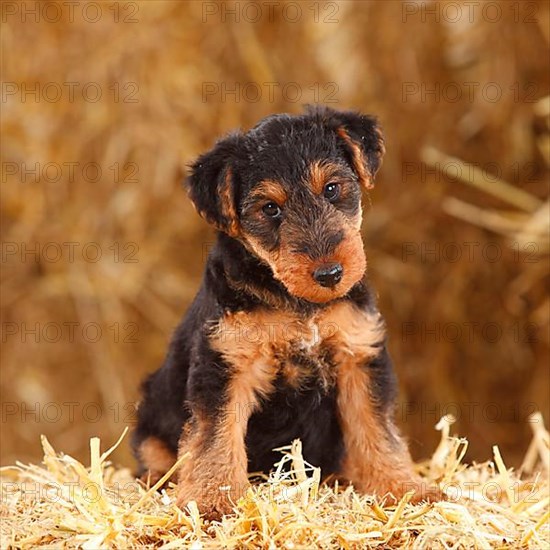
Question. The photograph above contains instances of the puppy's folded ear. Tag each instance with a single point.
(211, 185)
(361, 138)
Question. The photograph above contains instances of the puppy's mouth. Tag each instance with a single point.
(308, 289)
(318, 280)
(324, 279)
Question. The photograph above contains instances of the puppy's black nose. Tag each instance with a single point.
(328, 275)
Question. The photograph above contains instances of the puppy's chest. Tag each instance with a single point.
(305, 356)
(303, 351)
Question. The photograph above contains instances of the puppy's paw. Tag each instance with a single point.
(209, 510)
(423, 491)
(213, 501)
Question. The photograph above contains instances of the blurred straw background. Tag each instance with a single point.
(161, 80)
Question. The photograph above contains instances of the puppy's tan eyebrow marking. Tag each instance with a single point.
(320, 173)
(270, 190)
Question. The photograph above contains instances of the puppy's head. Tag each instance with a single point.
(290, 190)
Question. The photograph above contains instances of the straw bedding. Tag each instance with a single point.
(153, 246)
(62, 503)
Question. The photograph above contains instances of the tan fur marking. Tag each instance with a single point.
(259, 337)
(359, 161)
(376, 459)
(156, 457)
(320, 174)
(228, 205)
(265, 336)
(253, 343)
(352, 332)
(295, 270)
(249, 337)
(323, 172)
(371, 463)
(268, 257)
(270, 190)
(216, 474)
(358, 220)
(293, 375)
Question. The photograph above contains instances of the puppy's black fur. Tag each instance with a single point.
(307, 413)
(262, 267)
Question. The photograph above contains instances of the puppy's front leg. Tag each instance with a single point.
(376, 459)
(222, 394)
(215, 474)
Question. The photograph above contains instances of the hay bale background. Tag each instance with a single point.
(153, 118)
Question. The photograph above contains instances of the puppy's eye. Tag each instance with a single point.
(272, 210)
(331, 191)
